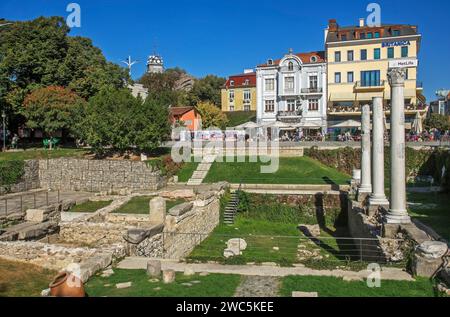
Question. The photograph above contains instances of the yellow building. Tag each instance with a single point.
(358, 59)
(239, 93)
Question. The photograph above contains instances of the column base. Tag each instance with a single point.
(397, 217)
(378, 201)
(363, 193)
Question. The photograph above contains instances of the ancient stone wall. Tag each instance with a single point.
(183, 233)
(29, 180)
(98, 175)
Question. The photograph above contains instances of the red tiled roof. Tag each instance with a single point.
(239, 80)
(178, 111)
(304, 57)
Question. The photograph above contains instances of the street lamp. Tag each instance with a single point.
(4, 130)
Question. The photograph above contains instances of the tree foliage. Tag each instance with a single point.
(39, 53)
(207, 89)
(115, 120)
(211, 115)
(51, 108)
(438, 121)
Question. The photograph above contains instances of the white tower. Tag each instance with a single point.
(155, 64)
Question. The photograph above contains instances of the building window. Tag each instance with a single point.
(363, 55)
(406, 73)
(231, 96)
(404, 51)
(350, 56)
(313, 59)
(344, 37)
(370, 78)
(337, 57)
(289, 84)
(269, 105)
(396, 33)
(391, 52)
(313, 104)
(337, 78)
(376, 53)
(377, 35)
(291, 66)
(313, 84)
(350, 77)
(246, 82)
(247, 96)
(270, 62)
(369, 35)
(231, 107)
(270, 84)
(232, 83)
(362, 36)
(290, 105)
(246, 107)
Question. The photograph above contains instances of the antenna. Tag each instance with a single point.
(129, 64)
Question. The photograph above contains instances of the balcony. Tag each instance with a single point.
(289, 116)
(369, 86)
(312, 90)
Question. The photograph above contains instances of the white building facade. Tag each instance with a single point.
(292, 90)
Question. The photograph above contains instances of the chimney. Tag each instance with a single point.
(332, 25)
(361, 22)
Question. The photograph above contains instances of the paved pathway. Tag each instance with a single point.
(387, 273)
(34, 199)
(202, 169)
(258, 286)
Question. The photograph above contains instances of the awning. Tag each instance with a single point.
(247, 125)
(347, 124)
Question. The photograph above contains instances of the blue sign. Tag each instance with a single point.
(396, 43)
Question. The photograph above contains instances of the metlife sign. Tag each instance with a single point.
(403, 63)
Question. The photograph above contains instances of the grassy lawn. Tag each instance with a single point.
(292, 170)
(186, 171)
(140, 205)
(270, 229)
(42, 154)
(21, 279)
(236, 118)
(212, 285)
(337, 287)
(432, 210)
(90, 206)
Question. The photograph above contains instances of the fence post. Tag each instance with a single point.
(360, 250)
(46, 196)
(58, 196)
(21, 203)
(6, 206)
(34, 199)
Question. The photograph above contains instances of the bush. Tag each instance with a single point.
(166, 165)
(11, 172)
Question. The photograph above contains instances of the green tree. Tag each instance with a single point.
(211, 115)
(437, 121)
(40, 53)
(51, 109)
(207, 89)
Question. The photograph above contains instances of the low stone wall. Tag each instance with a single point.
(98, 175)
(29, 180)
(183, 233)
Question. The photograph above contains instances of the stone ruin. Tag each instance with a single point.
(52, 240)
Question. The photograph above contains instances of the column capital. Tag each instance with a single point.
(397, 76)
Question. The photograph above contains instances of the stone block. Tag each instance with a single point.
(168, 276)
(124, 285)
(36, 215)
(390, 230)
(170, 224)
(180, 209)
(304, 294)
(428, 258)
(178, 194)
(188, 271)
(154, 268)
(157, 210)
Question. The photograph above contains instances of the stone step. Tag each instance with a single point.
(204, 167)
(194, 181)
(199, 174)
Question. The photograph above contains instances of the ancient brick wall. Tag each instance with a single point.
(29, 180)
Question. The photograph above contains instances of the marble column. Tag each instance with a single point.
(366, 184)
(397, 213)
(378, 197)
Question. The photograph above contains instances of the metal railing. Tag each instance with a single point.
(303, 249)
(17, 203)
(312, 90)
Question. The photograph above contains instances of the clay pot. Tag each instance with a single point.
(66, 284)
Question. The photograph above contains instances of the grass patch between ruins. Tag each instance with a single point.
(22, 279)
(292, 170)
(327, 286)
(212, 285)
(140, 205)
(90, 206)
(270, 229)
(186, 171)
(432, 210)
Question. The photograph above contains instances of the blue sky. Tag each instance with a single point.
(224, 37)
